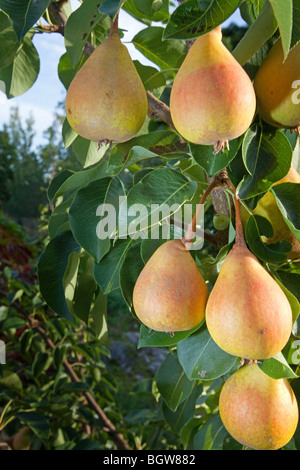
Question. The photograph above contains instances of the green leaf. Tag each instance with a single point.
(79, 25)
(129, 272)
(160, 143)
(255, 37)
(98, 315)
(153, 338)
(287, 196)
(9, 45)
(172, 383)
(150, 76)
(93, 215)
(110, 7)
(65, 71)
(37, 422)
(211, 436)
(24, 13)
(22, 72)
(201, 358)
(11, 380)
(88, 152)
(283, 12)
(155, 197)
(267, 157)
(168, 55)
(277, 367)
(184, 412)
(267, 252)
(194, 18)
(213, 163)
(107, 271)
(85, 289)
(70, 279)
(51, 269)
(69, 181)
(59, 219)
(140, 10)
(40, 363)
(296, 24)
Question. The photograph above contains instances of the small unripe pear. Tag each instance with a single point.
(258, 411)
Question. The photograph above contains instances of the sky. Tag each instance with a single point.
(42, 98)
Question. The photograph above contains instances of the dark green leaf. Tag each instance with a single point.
(129, 272)
(92, 222)
(37, 422)
(211, 436)
(172, 383)
(22, 72)
(51, 269)
(168, 55)
(213, 163)
(288, 200)
(201, 358)
(194, 18)
(24, 13)
(267, 157)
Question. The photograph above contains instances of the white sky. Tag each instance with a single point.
(41, 99)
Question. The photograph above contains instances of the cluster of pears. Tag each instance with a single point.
(106, 100)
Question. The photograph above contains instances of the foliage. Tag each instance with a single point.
(77, 270)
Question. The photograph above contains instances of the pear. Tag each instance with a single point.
(258, 411)
(170, 293)
(107, 100)
(267, 207)
(276, 83)
(212, 100)
(247, 313)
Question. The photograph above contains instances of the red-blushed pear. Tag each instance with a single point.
(212, 99)
(247, 313)
(258, 411)
(277, 85)
(107, 100)
(170, 293)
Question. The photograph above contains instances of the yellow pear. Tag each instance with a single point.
(277, 85)
(258, 411)
(267, 207)
(170, 293)
(106, 100)
(212, 100)
(247, 313)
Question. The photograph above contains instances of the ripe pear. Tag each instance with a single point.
(276, 83)
(170, 293)
(267, 207)
(258, 411)
(212, 99)
(107, 100)
(247, 313)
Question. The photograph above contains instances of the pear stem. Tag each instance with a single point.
(114, 25)
(239, 232)
(191, 229)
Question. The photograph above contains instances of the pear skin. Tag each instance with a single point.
(258, 411)
(107, 100)
(247, 313)
(267, 207)
(276, 83)
(170, 293)
(212, 99)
